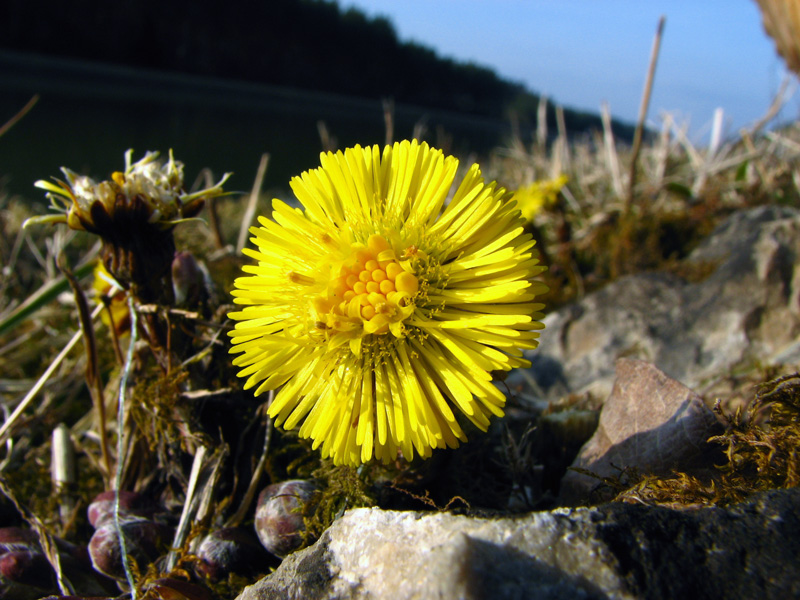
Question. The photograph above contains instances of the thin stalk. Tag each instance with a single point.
(22, 112)
(563, 144)
(250, 212)
(541, 124)
(186, 514)
(648, 88)
(93, 380)
(123, 385)
(62, 467)
(388, 119)
(612, 159)
(213, 218)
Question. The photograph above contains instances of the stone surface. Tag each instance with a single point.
(746, 310)
(649, 422)
(611, 551)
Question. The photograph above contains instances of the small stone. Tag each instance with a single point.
(279, 515)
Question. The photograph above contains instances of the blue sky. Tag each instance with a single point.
(580, 53)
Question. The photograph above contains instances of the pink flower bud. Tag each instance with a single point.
(231, 550)
(130, 504)
(279, 515)
(144, 541)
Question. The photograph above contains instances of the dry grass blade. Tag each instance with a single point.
(209, 484)
(255, 481)
(62, 467)
(123, 386)
(326, 139)
(561, 151)
(388, 119)
(541, 123)
(211, 208)
(188, 505)
(648, 88)
(777, 103)
(22, 112)
(252, 202)
(6, 428)
(93, 380)
(611, 152)
(712, 153)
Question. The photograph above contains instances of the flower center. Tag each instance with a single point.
(372, 290)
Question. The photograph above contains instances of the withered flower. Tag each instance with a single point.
(133, 212)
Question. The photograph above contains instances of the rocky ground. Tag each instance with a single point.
(614, 550)
(657, 350)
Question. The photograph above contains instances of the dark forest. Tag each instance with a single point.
(305, 44)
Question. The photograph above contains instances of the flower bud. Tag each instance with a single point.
(77, 598)
(188, 281)
(16, 538)
(143, 542)
(28, 567)
(130, 504)
(169, 588)
(279, 515)
(231, 550)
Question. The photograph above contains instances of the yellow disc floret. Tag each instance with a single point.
(370, 292)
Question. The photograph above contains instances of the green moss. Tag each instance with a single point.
(341, 488)
(154, 407)
(762, 444)
(31, 483)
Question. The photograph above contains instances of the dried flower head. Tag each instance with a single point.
(145, 190)
(781, 20)
(381, 308)
(133, 212)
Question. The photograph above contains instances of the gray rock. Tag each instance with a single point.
(611, 551)
(649, 422)
(746, 310)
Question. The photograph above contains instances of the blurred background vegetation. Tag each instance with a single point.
(221, 83)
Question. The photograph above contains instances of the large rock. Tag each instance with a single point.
(747, 310)
(611, 551)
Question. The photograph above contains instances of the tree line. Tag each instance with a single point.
(307, 44)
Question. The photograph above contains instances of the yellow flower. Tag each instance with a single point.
(381, 308)
(532, 198)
